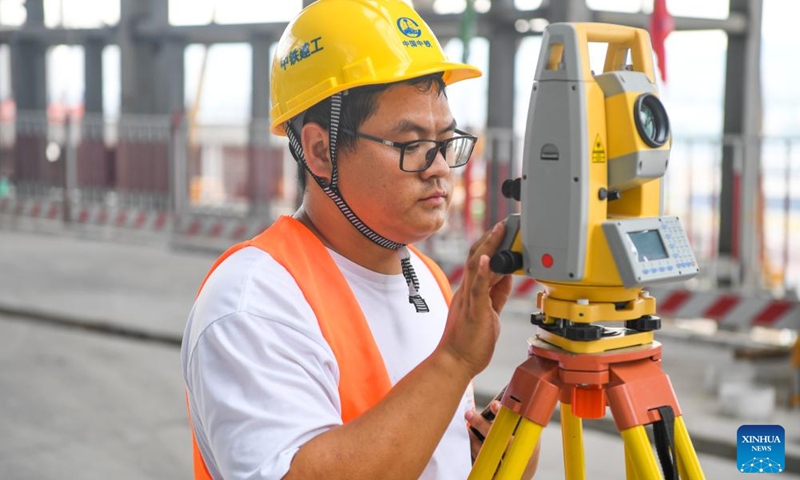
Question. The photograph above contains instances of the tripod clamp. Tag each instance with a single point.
(588, 332)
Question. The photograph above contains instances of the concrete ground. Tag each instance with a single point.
(81, 405)
(89, 344)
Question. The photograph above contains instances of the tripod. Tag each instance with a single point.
(585, 376)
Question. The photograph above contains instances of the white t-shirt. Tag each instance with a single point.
(263, 381)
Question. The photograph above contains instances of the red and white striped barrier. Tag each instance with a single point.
(730, 310)
(48, 209)
(218, 227)
(138, 219)
(133, 218)
(156, 221)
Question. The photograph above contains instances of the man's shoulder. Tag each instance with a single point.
(242, 268)
(250, 280)
(252, 287)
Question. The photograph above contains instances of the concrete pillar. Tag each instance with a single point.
(93, 77)
(136, 60)
(34, 13)
(152, 84)
(28, 75)
(261, 68)
(93, 169)
(500, 120)
(169, 72)
(265, 160)
(28, 70)
(152, 71)
(568, 11)
(29, 85)
(739, 241)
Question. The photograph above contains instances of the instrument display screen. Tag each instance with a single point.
(648, 245)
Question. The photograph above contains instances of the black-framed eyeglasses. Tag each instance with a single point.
(418, 155)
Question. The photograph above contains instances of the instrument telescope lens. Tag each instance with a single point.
(651, 120)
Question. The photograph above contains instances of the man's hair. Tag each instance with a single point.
(358, 105)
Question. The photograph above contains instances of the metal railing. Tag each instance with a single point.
(161, 165)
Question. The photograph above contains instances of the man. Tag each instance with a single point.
(326, 347)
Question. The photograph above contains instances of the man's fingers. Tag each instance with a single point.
(486, 245)
(477, 242)
(501, 292)
(494, 240)
(478, 425)
(480, 285)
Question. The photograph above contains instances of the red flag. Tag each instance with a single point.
(661, 24)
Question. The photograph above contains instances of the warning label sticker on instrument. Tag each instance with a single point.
(598, 152)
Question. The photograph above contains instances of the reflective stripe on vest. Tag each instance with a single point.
(363, 380)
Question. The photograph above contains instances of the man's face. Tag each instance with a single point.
(401, 206)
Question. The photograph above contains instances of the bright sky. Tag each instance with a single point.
(94, 13)
(193, 12)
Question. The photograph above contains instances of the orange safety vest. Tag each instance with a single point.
(363, 380)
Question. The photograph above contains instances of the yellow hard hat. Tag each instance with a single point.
(334, 45)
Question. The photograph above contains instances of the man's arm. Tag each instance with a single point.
(396, 438)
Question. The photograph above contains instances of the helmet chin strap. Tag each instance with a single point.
(331, 189)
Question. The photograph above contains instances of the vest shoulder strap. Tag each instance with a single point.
(363, 379)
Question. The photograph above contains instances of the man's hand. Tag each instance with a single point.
(479, 427)
(473, 324)
(479, 430)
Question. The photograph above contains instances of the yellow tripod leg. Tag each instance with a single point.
(639, 454)
(520, 451)
(682, 470)
(495, 445)
(572, 444)
(684, 450)
(630, 467)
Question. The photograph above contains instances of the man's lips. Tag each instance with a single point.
(435, 196)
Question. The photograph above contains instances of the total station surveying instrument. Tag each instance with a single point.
(591, 232)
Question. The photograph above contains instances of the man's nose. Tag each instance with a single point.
(439, 165)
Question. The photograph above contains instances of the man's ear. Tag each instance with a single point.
(314, 139)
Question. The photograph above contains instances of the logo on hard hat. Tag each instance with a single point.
(409, 27)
